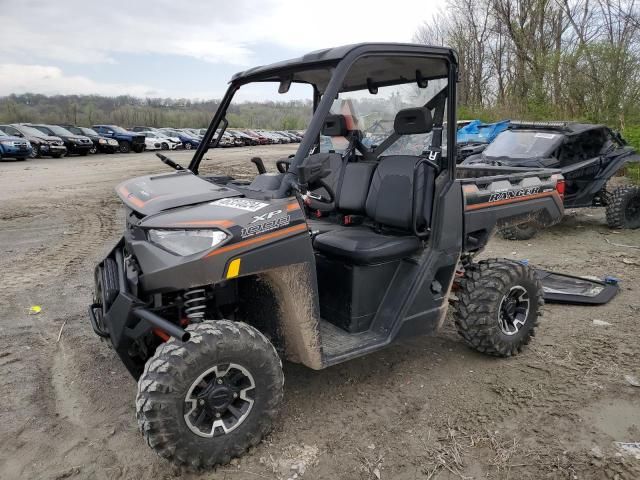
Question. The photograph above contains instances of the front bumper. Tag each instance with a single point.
(48, 149)
(80, 148)
(119, 315)
(15, 152)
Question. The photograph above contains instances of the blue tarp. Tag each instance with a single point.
(478, 132)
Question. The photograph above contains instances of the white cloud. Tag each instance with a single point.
(50, 80)
(213, 31)
(48, 35)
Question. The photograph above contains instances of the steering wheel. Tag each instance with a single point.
(283, 165)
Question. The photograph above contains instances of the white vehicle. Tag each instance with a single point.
(152, 141)
(167, 142)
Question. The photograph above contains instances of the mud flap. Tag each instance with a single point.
(561, 288)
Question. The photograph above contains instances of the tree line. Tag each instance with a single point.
(544, 59)
(87, 110)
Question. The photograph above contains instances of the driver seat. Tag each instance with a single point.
(390, 204)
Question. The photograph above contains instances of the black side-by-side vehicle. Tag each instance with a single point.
(588, 156)
(215, 280)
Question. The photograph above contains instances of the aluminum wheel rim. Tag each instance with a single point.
(514, 310)
(219, 400)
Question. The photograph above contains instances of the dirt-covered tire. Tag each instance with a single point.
(623, 208)
(485, 315)
(524, 231)
(177, 371)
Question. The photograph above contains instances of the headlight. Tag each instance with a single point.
(8, 143)
(112, 142)
(186, 242)
(102, 141)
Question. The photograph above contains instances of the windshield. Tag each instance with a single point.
(31, 131)
(59, 130)
(88, 131)
(374, 115)
(117, 129)
(523, 144)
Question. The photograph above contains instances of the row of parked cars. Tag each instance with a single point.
(33, 140)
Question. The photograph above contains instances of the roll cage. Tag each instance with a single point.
(329, 72)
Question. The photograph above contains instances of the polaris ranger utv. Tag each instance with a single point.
(215, 279)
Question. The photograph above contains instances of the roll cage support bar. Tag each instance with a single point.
(322, 106)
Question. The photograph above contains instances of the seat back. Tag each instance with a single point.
(352, 191)
(390, 200)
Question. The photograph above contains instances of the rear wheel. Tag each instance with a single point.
(165, 146)
(93, 150)
(499, 305)
(188, 146)
(138, 148)
(124, 147)
(623, 208)
(207, 400)
(524, 231)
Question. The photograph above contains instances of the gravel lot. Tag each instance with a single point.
(431, 408)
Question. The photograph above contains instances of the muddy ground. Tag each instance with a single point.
(428, 409)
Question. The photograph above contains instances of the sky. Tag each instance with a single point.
(178, 48)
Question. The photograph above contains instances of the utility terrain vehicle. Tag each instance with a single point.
(588, 156)
(215, 279)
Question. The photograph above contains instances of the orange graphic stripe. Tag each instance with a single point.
(207, 223)
(262, 238)
(293, 206)
(129, 196)
(508, 200)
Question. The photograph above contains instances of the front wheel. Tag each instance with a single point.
(524, 231)
(499, 305)
(35, 152)
(202, 402)
(623, 208)
(188, 146)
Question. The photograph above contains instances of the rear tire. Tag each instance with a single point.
(124, 147)
(184, 383)
(623, 208)
(188, 146)
(524, 231)
(165, 146)
(499, 305)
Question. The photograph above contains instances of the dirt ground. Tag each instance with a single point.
(431, 408)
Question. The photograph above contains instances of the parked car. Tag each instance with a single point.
(246, 139)
(42, 144)
(139, 128)
(127, 140)
(14, 147)
(188, 140)
(168, 142)
(76, 144)
(100, 143)
(152, 141)
(261, 139)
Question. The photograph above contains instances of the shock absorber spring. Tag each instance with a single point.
(194, 304)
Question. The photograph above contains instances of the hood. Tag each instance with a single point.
(11, 138)
(155, 193)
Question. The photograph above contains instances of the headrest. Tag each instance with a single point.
(413, 120)
(335, 126)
